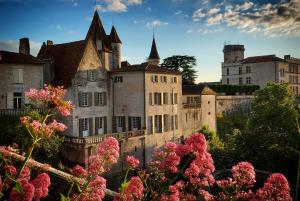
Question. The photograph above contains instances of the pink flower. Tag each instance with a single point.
(133, 192)
(41, 184)
(275, 188)
(107, 154)
(170, 147)
(132, 161)
(244, 174)
(79, 171)
(170, 162)
(26, 194)
(56, 126)
(10, 170)
(183, 149)
(95, 190)
(206, 195)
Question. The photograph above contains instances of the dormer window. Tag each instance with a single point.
(91, 75)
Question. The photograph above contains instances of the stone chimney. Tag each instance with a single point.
(24, 46)
(49, 42)
(287, 56)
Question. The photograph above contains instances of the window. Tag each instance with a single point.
(150, 99)
(248, 80)
(18, 75)
(154, 78)
(163, 78)
(176, 121)
(240, 70)
(290, 79)
(120, 124)
(100, 98)
(91, 75)
(85, 99)
(100, 125)
(166, 123)
(84, 127)
(134, 123)
(282, 72)
(17, 100)
(227, 81)
(157, 98)
(118, 79)
(227, 71)
(150, 124)
(175, 99)
(174, 79)
(240, 80)
(248, 69)
(158, 123)
(165, 96)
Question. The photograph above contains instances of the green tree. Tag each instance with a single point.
(271, 139)
(185, 64)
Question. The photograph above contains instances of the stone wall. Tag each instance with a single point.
(227, 104)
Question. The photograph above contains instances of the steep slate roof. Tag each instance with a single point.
(259, 59)
(66, 58)
(146, 67)
(153, 53)
(18, 58)
(96, 31)
(114, 38)
(197, 90)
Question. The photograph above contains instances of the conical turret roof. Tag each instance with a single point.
(154, 53)
(96, 29)
(114, 38)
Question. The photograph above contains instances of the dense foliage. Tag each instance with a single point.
(185, 64)
(233, 89)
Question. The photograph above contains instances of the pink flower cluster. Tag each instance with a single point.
(133, 192)
(37, 128)
(52, 97)
(132, 162)
(35, 189)
(244, 174)
(79, 171)
(95, 191)
(275, 188)
(107, 154)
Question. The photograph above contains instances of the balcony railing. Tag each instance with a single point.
(191, 105)
(14, 112)
(100, 138)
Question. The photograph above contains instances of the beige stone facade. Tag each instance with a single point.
(259, 70)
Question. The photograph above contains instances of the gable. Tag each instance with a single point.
(90, 59)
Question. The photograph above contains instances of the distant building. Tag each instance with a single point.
(258, 70)
(18, 73)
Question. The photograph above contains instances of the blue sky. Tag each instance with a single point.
(184, 27)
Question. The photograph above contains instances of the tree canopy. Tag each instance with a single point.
(185, 64)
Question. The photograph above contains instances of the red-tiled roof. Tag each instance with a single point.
(66, 58)
(260, 59)
(199, 89)
(18, 58)
(146, 67)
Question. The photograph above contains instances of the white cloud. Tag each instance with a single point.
(216, 19)
(199, 13)
(156, 23)
(178, 12)
(116, 5)
(270, 19)
(13, 46)
(211, 31)
(213, 11)
(149, 9)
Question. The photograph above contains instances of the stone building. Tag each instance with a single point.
(258, 70)
(18, 73)
(140, 105)
(199, 108)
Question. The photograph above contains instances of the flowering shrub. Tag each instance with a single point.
(178, 172)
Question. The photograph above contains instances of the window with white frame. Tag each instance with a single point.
(100, 99)
(84, 127)
(135, 123)
(118, 79)
(99, 125)
(84, 99)
(17, 100)
(248, 80)
(174, 79)
(154, 78)
(18, 75)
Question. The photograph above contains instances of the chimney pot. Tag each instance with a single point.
(49, 42)
(24, 46)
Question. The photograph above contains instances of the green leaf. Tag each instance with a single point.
(18, 187)
(63, 198)
(124, 185)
